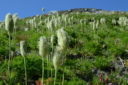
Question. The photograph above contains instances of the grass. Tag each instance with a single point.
(88, 51)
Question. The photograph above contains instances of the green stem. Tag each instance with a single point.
(63, 79)
(51, 72)
(25, 69)
(55, 77)
(9, 56)
(42, 70)
(47, 66)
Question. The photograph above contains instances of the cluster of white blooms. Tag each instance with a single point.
(40, 23)
(51, 22)
(52, 39)
(43, 46)
(9, 24)
(22, 48)
(58, 56)
(62, 38)
(94, 24)
(23, 53)
(32, 22)
(97, 24)
(50, 25)
(60, 48)
(70, 19)
(15, 19)
(64, 18)
(26, 29)
(56, 20)
(102, 20)
(83, 21)
(123, 21)
(114, 22)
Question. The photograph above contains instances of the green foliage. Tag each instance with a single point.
(17, 68)
(103, 63)
(88, 49)
(3, 44)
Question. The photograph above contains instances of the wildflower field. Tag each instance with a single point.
(76, 48)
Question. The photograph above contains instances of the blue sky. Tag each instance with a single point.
(26, 8)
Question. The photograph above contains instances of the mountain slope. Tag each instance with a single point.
(96, 48)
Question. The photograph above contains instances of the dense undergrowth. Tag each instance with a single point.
(97, 52)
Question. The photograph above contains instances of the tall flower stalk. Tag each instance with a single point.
(52, 43)
(57, 61)
(9, 28)
(62, 38)
(58, 57)
(15, 19)
(22, 52)
(43, 52)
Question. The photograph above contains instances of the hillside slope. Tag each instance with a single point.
(87, 48)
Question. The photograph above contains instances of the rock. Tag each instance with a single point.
(118, 65)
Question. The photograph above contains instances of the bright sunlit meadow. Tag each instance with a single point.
(77, 45)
